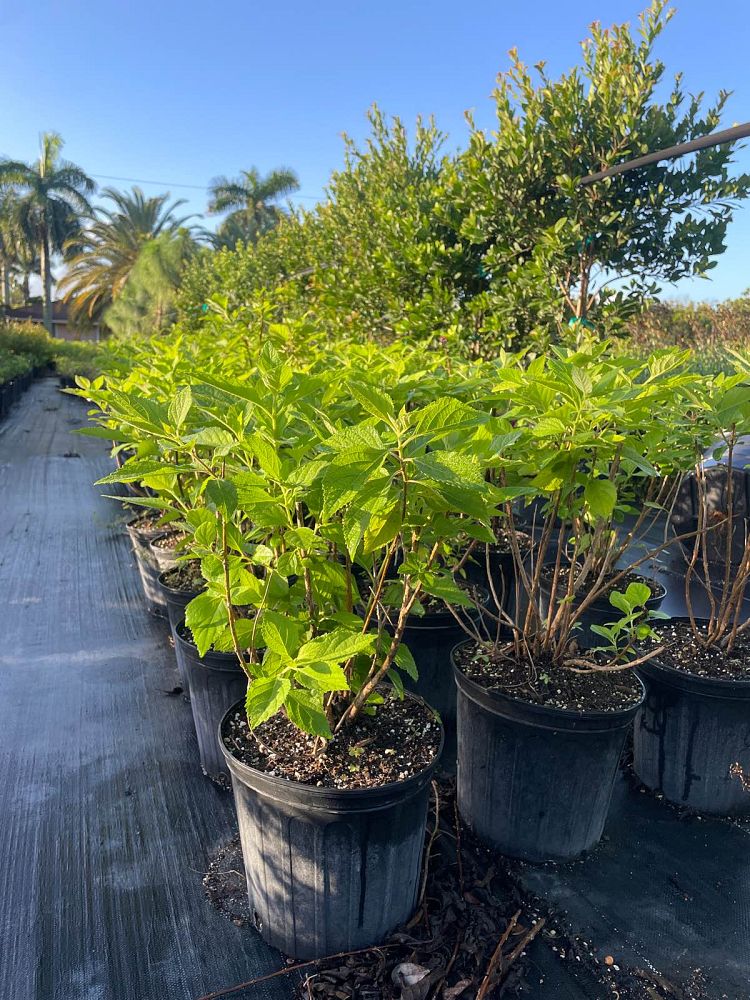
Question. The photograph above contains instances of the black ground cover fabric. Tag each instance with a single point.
(106, 822)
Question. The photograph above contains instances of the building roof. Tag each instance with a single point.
(34, 312)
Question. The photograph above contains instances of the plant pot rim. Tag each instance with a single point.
(329, 799)
(445, 621)
(223, 660)
(684, 680)
(174, 590)
(543, 716)
(653, 602)
(148, 533)
(163, 533)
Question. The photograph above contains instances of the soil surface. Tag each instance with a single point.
(428, 604)
(185, 576)
(400, 740)
(657, 590)
(502, 546)
(146, 520)
(170, 541)
(497, 669)
(685, 652)
(226, 886)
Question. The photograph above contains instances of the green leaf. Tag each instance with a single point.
(303, 537)
(601, 497)
(137, 469)
(447, 590)
(637, 594)
(602, 630)
(180, 407)
(336, 646)
(619, 600)
(405, 661)
(372, 400)
(548, 427)
(265, 696)
(223, 495)
(204, 611)
(282, 634)
(582, 381)
(322, 676)
(266, 455)
(305, 710)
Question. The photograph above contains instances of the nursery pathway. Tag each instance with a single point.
(106, 821)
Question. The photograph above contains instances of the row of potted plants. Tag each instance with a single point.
(16, 373)
(351, 538)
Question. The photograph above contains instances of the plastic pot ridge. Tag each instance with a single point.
(535, 781)
(328, 870)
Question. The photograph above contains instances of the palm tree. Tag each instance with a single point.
(147, 304)
(19, 259)
(8, 243)
(100, 261)
(52, 197)
(251, 200)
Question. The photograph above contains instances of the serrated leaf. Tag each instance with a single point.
(266, 455)
(305, 710)
(373, 400)
(179, 407)
(582, 381)
(282, 634)
(601, 497)
(336, 646)
(405, 661)
(265, 696)
(222, 493)
(205, 610)
(548, 427)
(135, 470)
(322, 676)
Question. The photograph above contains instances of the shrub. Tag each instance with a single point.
(499, 246)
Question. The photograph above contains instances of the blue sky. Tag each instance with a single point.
(178, 91)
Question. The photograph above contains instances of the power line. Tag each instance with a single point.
(176, 184)
(703, 142)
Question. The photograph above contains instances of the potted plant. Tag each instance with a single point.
(178, 586)
(330, 760)
(541, 718)
(692, 730)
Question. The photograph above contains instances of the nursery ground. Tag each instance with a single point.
(106, 822)
(107, 825)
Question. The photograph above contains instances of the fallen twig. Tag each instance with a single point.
(496, 956)
(291, 968)
(523, 943)
(430, 842)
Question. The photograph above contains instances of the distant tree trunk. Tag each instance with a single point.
(25, 288)
(5, 289)
(44, 256)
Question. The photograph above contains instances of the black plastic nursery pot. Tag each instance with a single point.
(148, 568)
(328, 870)
(176, 602)
(535, 781)
(430, 640)
(688, 733)
(164, 558)
(502, 571)
(215, 682)
(601, 612)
